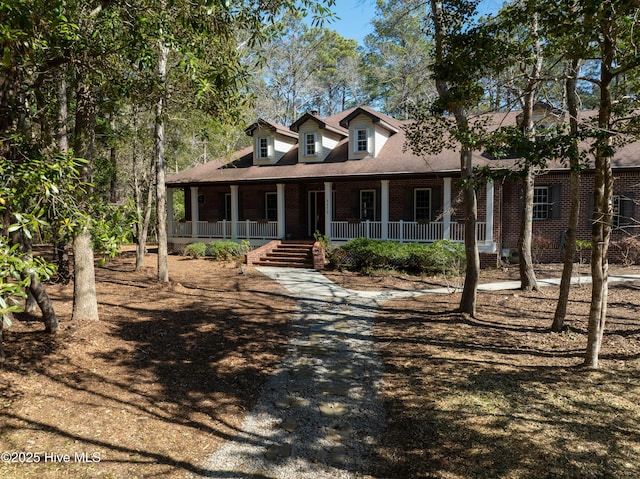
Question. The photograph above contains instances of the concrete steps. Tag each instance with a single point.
(290, 254)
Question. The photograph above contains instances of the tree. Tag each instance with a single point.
(398, 56)
(610, 26)
(458, 89)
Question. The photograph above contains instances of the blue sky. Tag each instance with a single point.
(355, 16)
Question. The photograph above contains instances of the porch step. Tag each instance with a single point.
(290, 254)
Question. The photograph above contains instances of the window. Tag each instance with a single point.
(422, 204)
(227, 206)
(271, 206)
(541, 203)
(310, 144)
(263, 148)
(368, 205)
(362, 140)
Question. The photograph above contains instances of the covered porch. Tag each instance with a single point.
(338, 228)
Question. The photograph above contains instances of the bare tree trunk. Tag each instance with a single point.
(528, 281)
(144, 230)
(574, 213)
(161, 191)
(603, 189)
(472, 274)
(61, 245)
(49, 317)
(85, 302)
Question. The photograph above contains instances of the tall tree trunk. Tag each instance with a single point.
(602, 214)
(113, 194)
(528, 281)
(61, 245)
(161, 190)
(574, 212)
(85, 302)
(144, 230)
(472, 274)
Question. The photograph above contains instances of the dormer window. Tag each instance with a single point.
(263, 148)
(362, 140)
(310, 144)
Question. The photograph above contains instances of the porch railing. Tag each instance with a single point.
(223, 229)
(401, 231)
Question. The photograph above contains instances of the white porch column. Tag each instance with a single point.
(195, 212)
(170, 211)
(328, 208)
(234, 212)
(489, 214)
(384, 208)
(446, 209)
(281, 211)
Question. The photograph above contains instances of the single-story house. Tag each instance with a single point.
(352, 175)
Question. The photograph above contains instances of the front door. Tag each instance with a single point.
(316, 212)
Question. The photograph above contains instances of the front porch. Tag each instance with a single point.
(326, 215)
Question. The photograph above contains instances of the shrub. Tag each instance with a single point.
(227, 250)
(195, 250)
(629, 249)
(366, 255)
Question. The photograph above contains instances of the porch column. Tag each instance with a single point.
(328, 208)
(170, 211)
(281, 211)
(489, 213)
(384, 210)
(195, 213)
(446, 209)
(234, 212)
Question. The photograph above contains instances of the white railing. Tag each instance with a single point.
(345, 230)
(222, 229)
(257, 229)
(402, 231)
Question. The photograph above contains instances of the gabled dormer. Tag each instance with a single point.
(544, 117)
(316, 137)
(270, 141)
(368, 132)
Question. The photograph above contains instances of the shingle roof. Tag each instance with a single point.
(393, 160)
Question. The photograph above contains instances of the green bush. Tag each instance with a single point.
(367, 255)
(227, 250)
(195, 250)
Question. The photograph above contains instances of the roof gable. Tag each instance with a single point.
(378, 118)
(274, 127)
(322, 124)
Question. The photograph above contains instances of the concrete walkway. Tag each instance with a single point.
(319, 415)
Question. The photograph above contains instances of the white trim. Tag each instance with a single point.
(446, 209)
(328, 208)
(195, 211)
(489, 212)
(384, 208)
(234, 212)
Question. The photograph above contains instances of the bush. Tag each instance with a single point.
(367, 255)
(629, 250)
(195, 250)
(227, 250)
